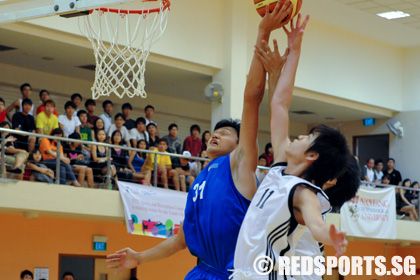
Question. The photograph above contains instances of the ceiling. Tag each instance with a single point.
(50, 55)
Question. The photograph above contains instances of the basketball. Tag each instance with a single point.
(260, 6)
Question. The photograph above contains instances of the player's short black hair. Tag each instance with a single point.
(119, 115)
(267, 146)
(42, 91)
(140, 120)
(163, 140)
(25, 85)
(70, 104)
(149, 107)
(90, 101)
(196, 127)
(2, 100)
(378, 161)
(347, 185)
(172, 125)
(27, 101)
(333, 155)
(126, 106)
(81, 112)
(235, 124)
(106, 102)
(75, 95)
(26, 272)
(67, 273)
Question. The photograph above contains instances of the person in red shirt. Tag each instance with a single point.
(2, 111)
(193, 142)
(44, 95)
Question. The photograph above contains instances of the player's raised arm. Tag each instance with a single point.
(282, 97)
(244, 157)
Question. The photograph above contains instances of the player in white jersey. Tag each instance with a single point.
(291, 192)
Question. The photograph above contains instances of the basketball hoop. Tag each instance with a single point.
(121, 41)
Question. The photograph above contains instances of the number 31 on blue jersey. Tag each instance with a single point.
(199, 188)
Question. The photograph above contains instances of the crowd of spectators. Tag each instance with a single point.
(86, 164)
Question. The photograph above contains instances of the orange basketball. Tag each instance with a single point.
(260, 6)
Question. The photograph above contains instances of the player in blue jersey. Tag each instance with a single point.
(221, 194)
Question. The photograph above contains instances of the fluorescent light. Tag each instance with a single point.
(393, 15)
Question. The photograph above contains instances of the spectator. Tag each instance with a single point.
(119, 125)
(164, 164)
(68, 122)
(394, 174)
(78, 161)
(85, 132)
(40, 171)
(25, 122)
(99, 157)
(126, 109)
(149, 111)
(137, 161)
(368, 174)
(174, 144)
(44, 95)
(14, 157)
(204, 163)
(268, 153)
(68, 276)
(184, 173)
(107, 115)
(379, 166)
(260, 173)
(413, 196)
(2, 110)
(193, 143)
(153, 139)
(139, 133)
(77, 99)
(48, 149)
(90, 106)
(386, 179)
(46, 121)
(26, 275)
(99, 124)
(403, 205)
(26, 91)
(205, 139)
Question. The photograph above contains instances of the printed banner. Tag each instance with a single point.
(152, 211)
(371, 213)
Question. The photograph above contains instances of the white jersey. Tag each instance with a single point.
(269, 228)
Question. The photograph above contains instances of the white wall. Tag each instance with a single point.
(411, 80)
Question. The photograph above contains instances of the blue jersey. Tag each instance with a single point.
(213, 216)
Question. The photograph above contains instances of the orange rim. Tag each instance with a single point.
(166, 5)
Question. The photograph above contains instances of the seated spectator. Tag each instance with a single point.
(2, 110)
(403, 205)
(44, 95)
(90, 106)
(413, 196)
(153, 139)
(193, 143)
(386, 179)
(26, 91)
(395, 175)
(137, 161)
(260, 173)
(107, 115)
(99, 124)
(119, 125)
(46, 121)
(40, 171)
(25, 122)
(368, 174)
(205, 139)
(139, 133)
(15, 157)
(26, 275)
(165, 170)
(174, 144)
(85, 132)
(68, 122)
(149, 111)
(184, 173)
(48, 149)
(126, 109)
(204, 163)
(379, 165)
(99, 159)
(77, 99)
(78, 161)
(268, 153)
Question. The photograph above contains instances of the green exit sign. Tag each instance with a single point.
(99, 246)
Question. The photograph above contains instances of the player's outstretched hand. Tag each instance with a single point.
(123, 259)
(294, 36)
(338, 239)
(272, 60)
(277, 18)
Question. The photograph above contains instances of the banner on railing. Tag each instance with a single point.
(371, 213)
(152, 211)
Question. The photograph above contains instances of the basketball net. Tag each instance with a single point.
(121, 41)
